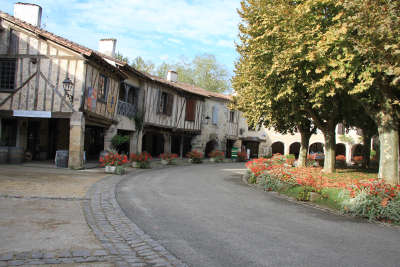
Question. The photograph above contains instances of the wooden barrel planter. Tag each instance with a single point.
(16, 154)
(62, 158)
(3, 154)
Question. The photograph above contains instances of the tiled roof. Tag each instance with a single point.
(177, 85)
(55, 38)
(89, 52)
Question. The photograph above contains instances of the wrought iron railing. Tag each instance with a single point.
(126, 109)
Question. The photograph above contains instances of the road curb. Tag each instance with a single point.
(121, 237)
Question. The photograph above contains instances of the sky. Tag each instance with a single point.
(156, 30)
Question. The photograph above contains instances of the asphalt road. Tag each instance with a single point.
(206, 216)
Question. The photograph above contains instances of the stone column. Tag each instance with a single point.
(76, 140)
(286, 149)
(108, 135)
(136, 142)
(348, 154)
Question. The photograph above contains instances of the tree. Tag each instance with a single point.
(121, 57)
(368, 34)
(140, 64)
(203, 71)
(278, 62)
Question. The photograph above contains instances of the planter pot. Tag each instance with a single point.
(141, 165)
(110, 169)
(120, 170)
(165, 162)
(213, 160)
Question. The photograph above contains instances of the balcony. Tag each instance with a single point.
(126, 109)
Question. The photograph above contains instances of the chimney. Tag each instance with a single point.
(172, 76)
(30, 13)
(107, 46)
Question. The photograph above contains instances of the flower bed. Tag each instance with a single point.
(195, 156)
(141, 160)
(168, 158)
(355, 193)
(217, 155)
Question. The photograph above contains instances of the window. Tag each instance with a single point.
(232, 116)
(190, 110)
(215, 115)
(102, 88)
(7, 74)
(165, 103)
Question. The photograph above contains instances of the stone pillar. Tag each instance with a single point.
(348, 154)
(108, 135)
(136, 142)
(286, 149)
(76, 140)
(181, 147)
(167, 143)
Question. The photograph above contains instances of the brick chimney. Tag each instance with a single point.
(107, 46)
(172, 76)
(30, 13)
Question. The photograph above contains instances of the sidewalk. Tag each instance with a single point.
(41, 217)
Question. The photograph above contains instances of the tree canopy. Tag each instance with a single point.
(317, 57)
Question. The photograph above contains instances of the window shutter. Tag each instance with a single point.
(170, 102)
(190, 110)
(215, 115)
(158, 98)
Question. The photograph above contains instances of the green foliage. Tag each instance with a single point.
(347, 139)
(117, 141)
(121, 57)
(203, 71)
(140, 64)
(252, 179)
(370, 206)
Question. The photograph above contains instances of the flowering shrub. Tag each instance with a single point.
(370, 198)
(218, 155)
(195, 156)
(168, 156)
(290, 159)
(113, 159)
(374, 200)
(142, 159)
(242, 156)
(340, 158)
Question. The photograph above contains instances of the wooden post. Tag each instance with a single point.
(181, 147)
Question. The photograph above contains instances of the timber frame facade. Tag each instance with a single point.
(34, 106)
(109, 97)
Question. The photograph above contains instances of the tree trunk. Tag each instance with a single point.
(366, 151)
(305, 141)
(389, 154)
(330, 145)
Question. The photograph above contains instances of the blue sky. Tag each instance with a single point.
(156, 30)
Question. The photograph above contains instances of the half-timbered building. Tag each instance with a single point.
(54, 94)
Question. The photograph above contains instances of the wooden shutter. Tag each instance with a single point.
(190, 110)
(215, 115)
(158, 101)
(170, 103)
